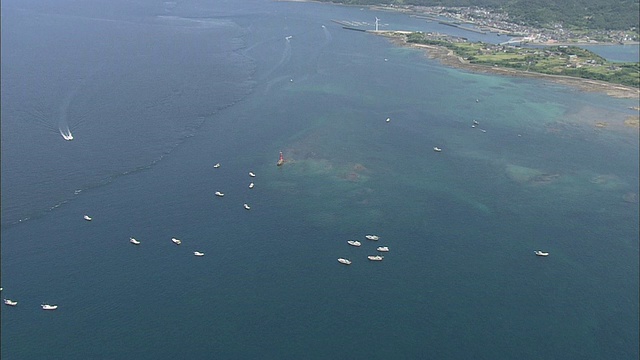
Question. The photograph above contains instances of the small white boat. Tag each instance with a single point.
(134, 241)
(217, 165)
(475, 122)
(48, 307)
(87, 217)
(218, 193)
(10, 302)
(252, 174)
(251, 185)
(372, 237)
(375, 257)
(355, 243)
(541, 253)
(483, 130)
(388, 120)
(437, 149)
(344, 261)
(288, 37)
(67, 136)
(198, 253)
(176, 241)
(246, 206)
(383, 249)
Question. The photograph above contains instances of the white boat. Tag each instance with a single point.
(87, 217)
(388, 119)
(246, 206)
(475, 122)
(218, 193)
(541, 253)
(372, 237)
(344, 261)
(67, 136)
(134, 241)
(437, 149)
(176, 241)
(383, 249)
(48, 307)
(10, 302)
(198, 253)
(375, 257)
(252, 174)
(251, 185)
(354, 243)
(217, 165)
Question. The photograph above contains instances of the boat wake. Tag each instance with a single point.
(66, 133)
(286, 57)
(44, 116)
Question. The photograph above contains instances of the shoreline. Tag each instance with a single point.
(447, 57)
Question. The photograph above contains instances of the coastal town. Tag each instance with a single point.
(481, 20)
(552, 51)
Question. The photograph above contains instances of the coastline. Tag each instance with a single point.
(448, 58)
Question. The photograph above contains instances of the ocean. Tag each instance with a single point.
(156, 93)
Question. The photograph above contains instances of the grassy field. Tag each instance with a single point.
(557, 60)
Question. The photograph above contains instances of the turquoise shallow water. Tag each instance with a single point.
(460, 281)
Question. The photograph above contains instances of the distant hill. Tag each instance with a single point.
(592, 14)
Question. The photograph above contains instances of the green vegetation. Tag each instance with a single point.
(590, 14)
(557, 60)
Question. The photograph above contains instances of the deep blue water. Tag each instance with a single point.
(156, 93)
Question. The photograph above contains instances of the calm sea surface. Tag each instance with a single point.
(156, 93)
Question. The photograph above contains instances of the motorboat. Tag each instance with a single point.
(475, 122)
(87, 217)
(252, 174)
(437, 149)
(246, 206)
(251, 185)
(176, 241)
(67, 136)
(344, 261)
(134, 241)
(388, 120)
(355, 243)
(383, 249)
(218, 193)
(541, 253)
(198, 253)
(48, 307)
(217, 165)
(375, 257)
(372, 237)
(10, 302)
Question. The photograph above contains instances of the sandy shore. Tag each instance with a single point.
(447, 57)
